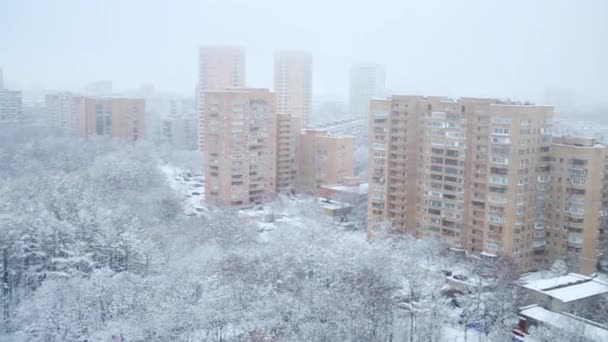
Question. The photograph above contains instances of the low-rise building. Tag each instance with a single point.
(323, 159)
(569, 293)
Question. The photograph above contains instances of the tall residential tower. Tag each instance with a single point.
(293, 83)
(240, 146)
(219, 68)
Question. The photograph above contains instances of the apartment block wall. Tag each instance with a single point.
(240, 150)
(579, 199)
(181, 131)
(60, 111)
(323, 159)
(293, 83)
(288, 132)
(219, 68)
(11, 106)
(123, 118)
(509, 176)
(471, 171)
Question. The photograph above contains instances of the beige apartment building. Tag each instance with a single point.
(116, 117)
(288, 132)
(323, 159)
(579, 198)
(240, 150)
(219, 68)
(470, 171)
(293, 83)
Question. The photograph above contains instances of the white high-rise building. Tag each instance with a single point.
(11, 106)
(60, 111)
(367, 81)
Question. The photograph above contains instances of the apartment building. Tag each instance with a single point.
(11, 106)
(180, 131)
(116, 117)
(510, 168)
(471, 171)
(367, 81)
(219, 68)
(293, 83)
(578, 202)
(288, 132)
(240, 150)
(323, 159)
(60, 111)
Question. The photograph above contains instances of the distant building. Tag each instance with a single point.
(579, 197)
(11, 106)
(367, 81)
(293, 83)
(288, 132)
(240, 146)
(61, 111)
(323, 159)
(219, 68)
(181, 132)
(116, 117)
(327, 109)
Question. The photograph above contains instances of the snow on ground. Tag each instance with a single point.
(455, 333)
(191, 186)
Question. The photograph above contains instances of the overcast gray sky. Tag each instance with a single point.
(476, 48)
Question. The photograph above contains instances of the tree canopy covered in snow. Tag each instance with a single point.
(95, 247)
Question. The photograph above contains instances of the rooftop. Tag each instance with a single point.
(568, 288)
(360, 189)
(567, 322)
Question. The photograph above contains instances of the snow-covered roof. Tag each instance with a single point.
(568, 288)
(360, 189)
(570, 323)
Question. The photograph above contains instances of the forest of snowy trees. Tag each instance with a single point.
(95, 247)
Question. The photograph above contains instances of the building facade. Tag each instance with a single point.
(578, 202)
(293, 83)
(219, 68)
(123, 118)
(472, 171)
(180, 131)
(288, 132)
(240, 150)
(11, 106)
(323, 159)
(367, 81)
(60, 111)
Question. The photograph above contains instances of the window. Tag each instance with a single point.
(498, 180)
(501, 121)
(501, 131)
(501, 140)
(496, 219)
(497, 199)
(500, 160)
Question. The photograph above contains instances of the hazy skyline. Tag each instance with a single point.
(455, 48)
